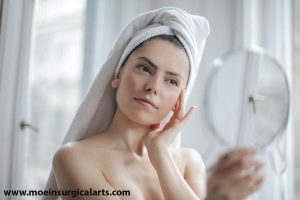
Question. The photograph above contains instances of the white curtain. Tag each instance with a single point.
(268, 24)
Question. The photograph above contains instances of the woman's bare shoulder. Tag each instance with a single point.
(69, 154)
(190, 153)
(186, 152)
(189, 156)
(81, 149)
(74, 167)
(86, 152)
(68, 148)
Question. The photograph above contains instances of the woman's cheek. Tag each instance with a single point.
(170, 101)
(132, 81)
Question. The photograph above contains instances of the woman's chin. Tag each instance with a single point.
(143, 119)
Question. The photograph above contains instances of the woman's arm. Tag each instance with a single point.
(174, 186)
(73, 171)
(159, 145)
(195, 172)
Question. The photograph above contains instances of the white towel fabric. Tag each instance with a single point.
(98, 106)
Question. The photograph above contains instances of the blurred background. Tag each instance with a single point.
(51, 50)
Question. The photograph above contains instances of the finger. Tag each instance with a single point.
(180, 112)
(187, 116)
(173, 130)
(244, 186)
(173, 120)
(239, 164)
(177, 104)
(155, 126)
(238, 152)
(176, 113)
(179, 123)
(233, 155)
(249, 183)
(175, 107)
(256, 185)
(239, 168)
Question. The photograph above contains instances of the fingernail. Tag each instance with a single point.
(194, 107)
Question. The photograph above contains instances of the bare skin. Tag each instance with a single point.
(98, 166)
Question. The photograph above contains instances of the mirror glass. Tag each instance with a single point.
(247, 98)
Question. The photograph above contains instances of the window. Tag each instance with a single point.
(55, 82)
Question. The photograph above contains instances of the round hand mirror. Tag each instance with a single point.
(247, 98)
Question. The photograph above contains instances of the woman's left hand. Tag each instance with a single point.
(156, 140)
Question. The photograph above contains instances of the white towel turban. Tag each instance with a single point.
(98, 106)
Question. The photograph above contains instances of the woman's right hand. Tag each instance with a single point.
(235, 175)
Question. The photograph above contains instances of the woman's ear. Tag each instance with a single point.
(115, 83)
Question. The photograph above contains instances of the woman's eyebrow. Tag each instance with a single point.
(153, 65)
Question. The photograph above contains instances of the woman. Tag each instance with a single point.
(129, 154)
(122, 135)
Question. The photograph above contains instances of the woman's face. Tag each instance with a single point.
(155, 72)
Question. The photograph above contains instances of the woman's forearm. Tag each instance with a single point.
(171, 180)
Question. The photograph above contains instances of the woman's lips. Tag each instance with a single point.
(145, 102)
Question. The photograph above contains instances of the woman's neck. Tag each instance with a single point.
(126, 134)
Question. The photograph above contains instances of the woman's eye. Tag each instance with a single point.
(144, 68)
(173, 82)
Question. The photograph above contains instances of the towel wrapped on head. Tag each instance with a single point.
(99, 105)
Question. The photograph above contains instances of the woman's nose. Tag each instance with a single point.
(152, 85)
